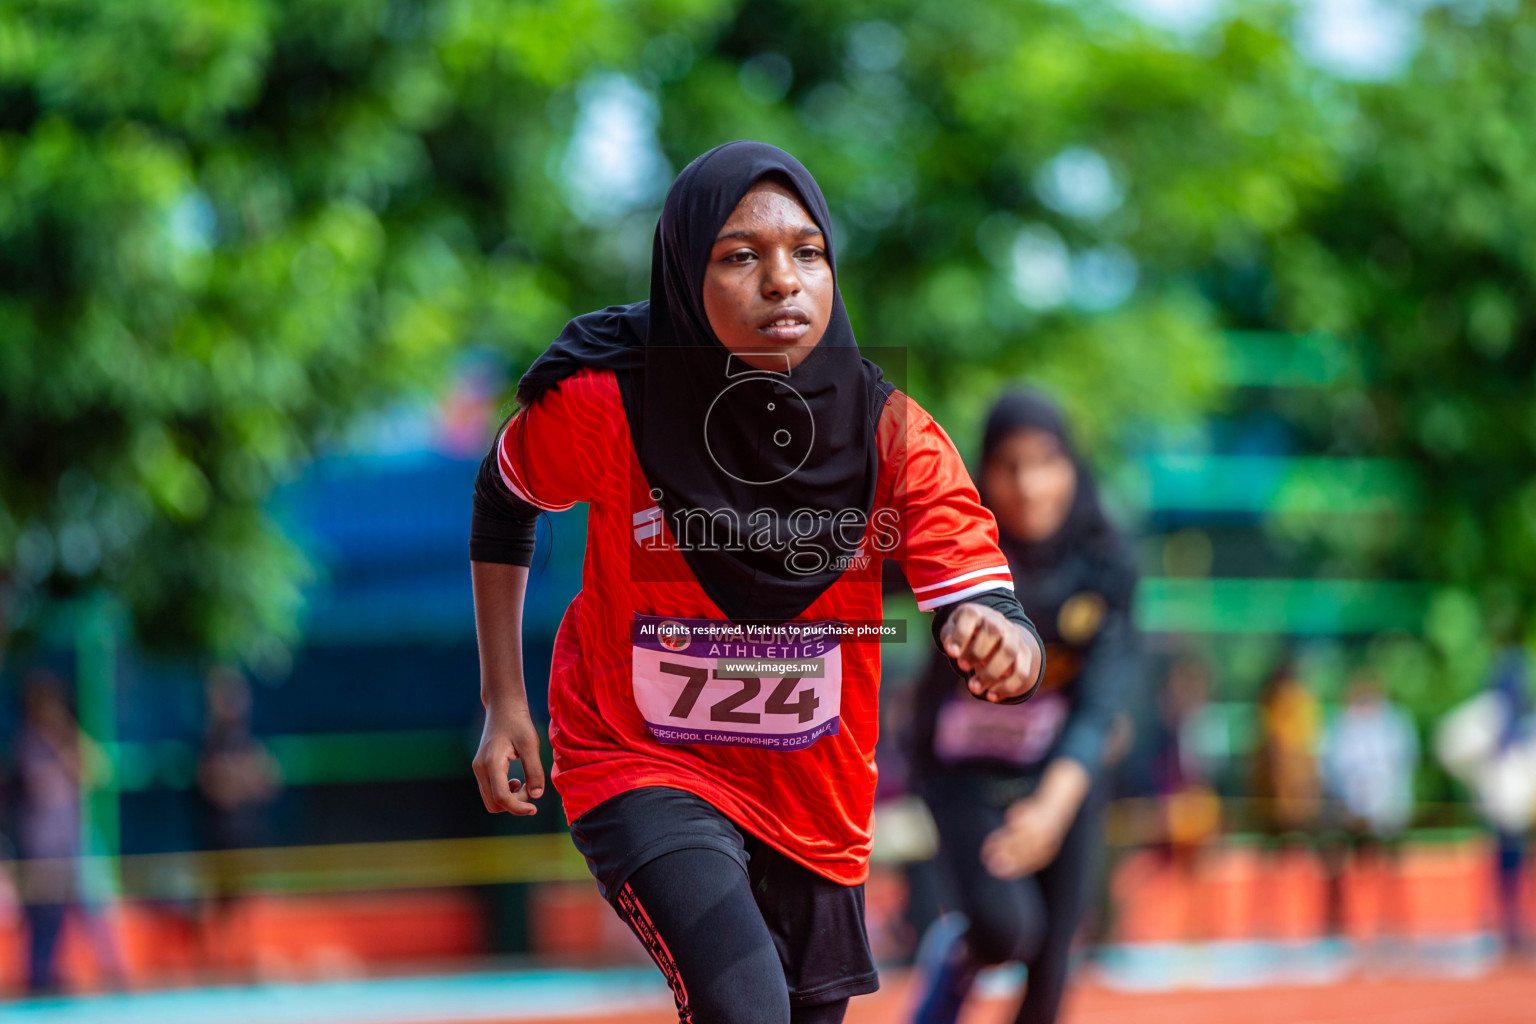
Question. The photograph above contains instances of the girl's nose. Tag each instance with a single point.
(780, 277)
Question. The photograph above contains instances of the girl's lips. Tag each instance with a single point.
(792, 331)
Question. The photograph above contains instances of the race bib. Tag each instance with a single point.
(714, 681)
(1019, 734)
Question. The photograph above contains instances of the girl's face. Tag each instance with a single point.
(1029, 481)
(768, 289)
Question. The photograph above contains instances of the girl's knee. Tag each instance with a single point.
(821, 1013)
(996, 938)
(727, 1004)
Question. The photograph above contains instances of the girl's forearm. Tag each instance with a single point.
(499, 591)
(1064, 786)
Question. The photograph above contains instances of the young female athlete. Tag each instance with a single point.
(1017, 792)
(713, 718)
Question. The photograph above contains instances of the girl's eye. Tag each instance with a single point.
(739, 257)
(810, 253)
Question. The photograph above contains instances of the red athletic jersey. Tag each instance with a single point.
(809, 793)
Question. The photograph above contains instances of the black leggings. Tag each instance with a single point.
(1032, 919)
(695, 913)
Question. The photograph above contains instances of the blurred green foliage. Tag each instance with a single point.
(1421, 259)
(228, 226)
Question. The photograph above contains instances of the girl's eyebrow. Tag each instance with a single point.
(804, 232)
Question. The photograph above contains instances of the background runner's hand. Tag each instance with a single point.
(509, 736)
(1000, 654)
(1028, 840)
(1034, 828)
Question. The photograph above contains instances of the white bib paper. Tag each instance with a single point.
(713, 681)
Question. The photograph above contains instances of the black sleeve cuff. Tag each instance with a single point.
(502, 526)
(1004, 601)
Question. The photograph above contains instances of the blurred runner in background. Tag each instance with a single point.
(1018, 792)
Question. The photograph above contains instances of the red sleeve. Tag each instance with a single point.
(550, 454)
(948, 539)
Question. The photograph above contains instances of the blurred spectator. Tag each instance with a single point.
(1286, 786)
(1369, 756)
(54, 761)
(1285, 763)
(237, 779)
(1191, 812)
(1100, 917)
(1489, 743)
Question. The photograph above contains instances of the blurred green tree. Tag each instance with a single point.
(227, 227)
(1420, 261)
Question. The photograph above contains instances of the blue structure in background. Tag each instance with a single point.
(391, 536)
(388, 649)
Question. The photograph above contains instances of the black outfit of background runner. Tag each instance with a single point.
(1034, 919)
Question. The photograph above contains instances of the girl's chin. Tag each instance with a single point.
(772, 353)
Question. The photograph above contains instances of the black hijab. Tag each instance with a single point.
(751, 468)
(1086, 528)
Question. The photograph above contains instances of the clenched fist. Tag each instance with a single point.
(1003, 658)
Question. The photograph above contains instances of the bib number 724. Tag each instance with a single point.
(725, 710)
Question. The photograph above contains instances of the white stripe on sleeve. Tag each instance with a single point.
(992, 570)
(931, 603)
(509, 477)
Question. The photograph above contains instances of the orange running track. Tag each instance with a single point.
(1506, 996)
